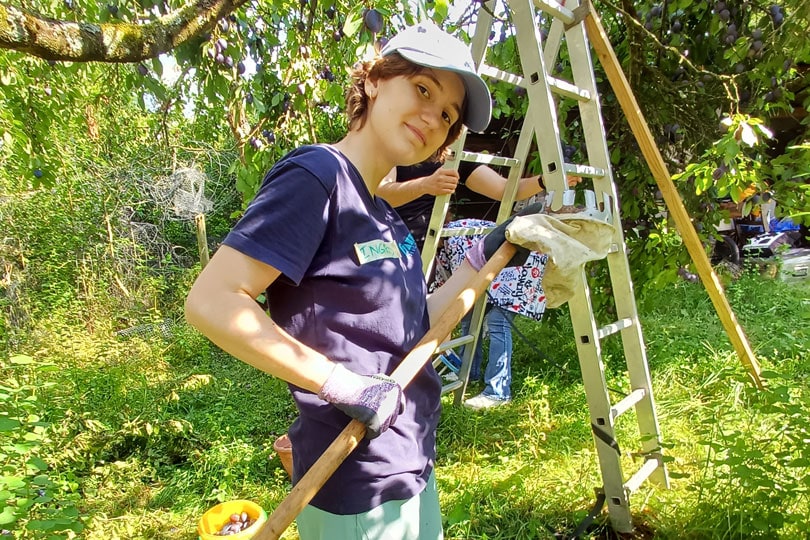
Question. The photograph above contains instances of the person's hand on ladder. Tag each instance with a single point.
(481, 252)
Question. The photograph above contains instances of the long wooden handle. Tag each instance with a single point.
(347, 441)
(639, 127)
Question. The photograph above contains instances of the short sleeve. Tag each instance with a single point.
(285, 223)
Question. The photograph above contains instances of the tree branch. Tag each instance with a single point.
(30, 33)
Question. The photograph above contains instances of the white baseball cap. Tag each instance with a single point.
(428, 45)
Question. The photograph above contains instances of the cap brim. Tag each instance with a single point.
(478, 109)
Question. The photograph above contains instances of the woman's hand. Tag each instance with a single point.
(573, 180)
(375, 400)
(441, 182)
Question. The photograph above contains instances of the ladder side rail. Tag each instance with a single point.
(476, 323)
(590, 112)
(440, 206)
(551, 48)
(621, 280)
(599, 405)
(483, 27)
(521, 153)
(509, 193)
(538, 91)
(636, 358)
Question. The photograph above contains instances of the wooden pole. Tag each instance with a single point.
(202, 239)
(613, 70)
(347, 441)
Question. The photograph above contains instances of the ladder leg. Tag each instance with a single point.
(476, 322)
(637, 367)
(602, 421)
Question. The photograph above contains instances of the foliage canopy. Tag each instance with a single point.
(713, 78)
(86, 137)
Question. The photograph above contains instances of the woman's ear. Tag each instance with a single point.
(371, 86)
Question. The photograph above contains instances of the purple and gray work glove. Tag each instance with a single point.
(480, 253)
(375, 400)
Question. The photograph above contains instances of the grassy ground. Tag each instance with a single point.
(141, 436)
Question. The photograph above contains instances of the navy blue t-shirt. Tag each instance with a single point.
(351, 288)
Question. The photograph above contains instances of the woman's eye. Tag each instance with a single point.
(423, 90)
(447, 118)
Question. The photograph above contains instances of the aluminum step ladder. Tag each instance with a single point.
(541, 28)
(436, 232)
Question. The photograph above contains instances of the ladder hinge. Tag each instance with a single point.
(580, 12)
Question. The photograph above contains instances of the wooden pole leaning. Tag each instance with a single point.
(347, 441)
(202, 239)
(632, 111)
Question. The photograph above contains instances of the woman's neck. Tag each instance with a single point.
(371, 165)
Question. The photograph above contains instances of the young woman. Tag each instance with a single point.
(347, 298)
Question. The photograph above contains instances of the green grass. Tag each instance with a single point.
(142, 435)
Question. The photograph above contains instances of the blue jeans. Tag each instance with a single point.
(498, 374)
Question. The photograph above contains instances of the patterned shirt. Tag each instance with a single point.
(517, 288)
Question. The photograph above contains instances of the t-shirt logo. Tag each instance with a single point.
(408, 246)
(375, 250)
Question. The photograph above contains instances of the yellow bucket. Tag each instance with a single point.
(217, 517)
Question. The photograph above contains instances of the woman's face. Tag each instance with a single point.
(411, 116)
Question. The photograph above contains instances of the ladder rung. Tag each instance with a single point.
(449, 387)
(467, 231)
(489, 159)
(642, 474)
(504, 76)
(555, 10)
(612, 328)
(584, 170)
(455, 342)
(628, 401)
(558, 86)
(566, 89)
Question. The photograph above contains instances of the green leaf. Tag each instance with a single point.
(40, 525)
(157, 65)
(735, 192)
(9, 424)
(39, 463)
(21, 359)
(12, 482)
(7, 516)
(441, 8)
(24, 448)
(353, 21)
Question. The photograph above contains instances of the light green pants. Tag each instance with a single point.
(418, 518)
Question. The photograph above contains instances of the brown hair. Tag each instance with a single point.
(384, 68)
